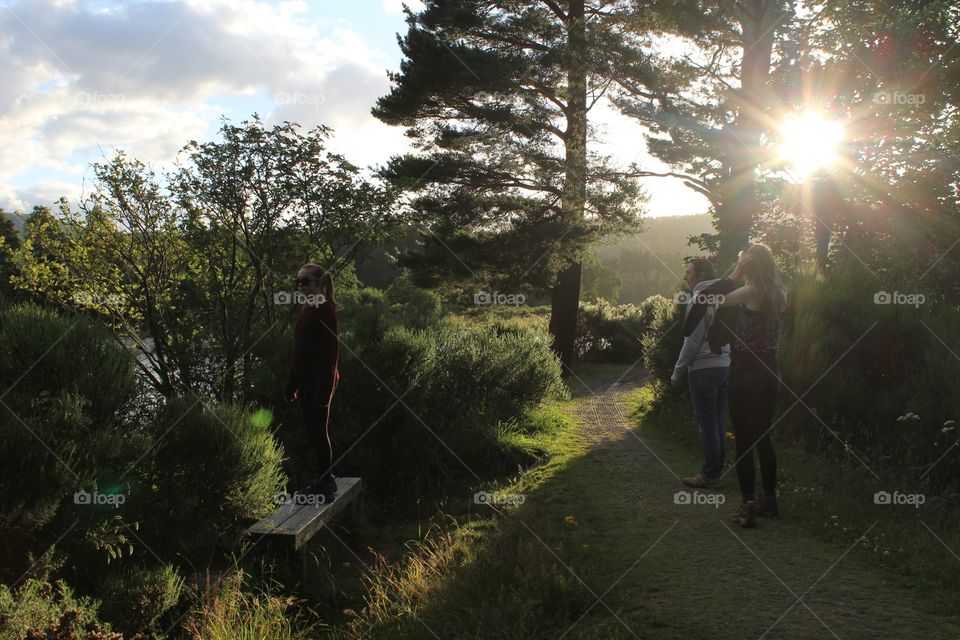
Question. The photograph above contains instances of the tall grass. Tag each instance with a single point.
(230, 612)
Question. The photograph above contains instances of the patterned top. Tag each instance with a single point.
(760, 332)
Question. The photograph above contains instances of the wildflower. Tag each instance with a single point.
(948, 426)
(570, 520)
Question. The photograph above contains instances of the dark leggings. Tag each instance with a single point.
(754, 387)
(316, 420)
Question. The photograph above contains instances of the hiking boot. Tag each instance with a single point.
(746, 515)
(768, 506)
(701, 481)
(327, 487)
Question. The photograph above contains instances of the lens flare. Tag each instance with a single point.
(808, 143)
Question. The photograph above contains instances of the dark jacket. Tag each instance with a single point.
(725, 322)
(316, 353)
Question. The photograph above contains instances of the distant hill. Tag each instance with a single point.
(651, 262)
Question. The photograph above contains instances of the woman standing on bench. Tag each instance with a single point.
(314, 374)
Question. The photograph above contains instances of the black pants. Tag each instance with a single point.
(316, 420)
(753, 388)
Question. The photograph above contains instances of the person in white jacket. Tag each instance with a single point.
(707, 373)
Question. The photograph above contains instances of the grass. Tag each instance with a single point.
(599, 549)
(485, 572)
(833, 500)
(232, 612)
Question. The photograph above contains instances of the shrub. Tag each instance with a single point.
(135, 598)
(69, 387)
(418, 308)
(456, 385)
(38, 609)
(891, 361)
(613, 333)
(664, 338)
(211, 469)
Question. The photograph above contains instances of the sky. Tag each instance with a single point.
(84, 79)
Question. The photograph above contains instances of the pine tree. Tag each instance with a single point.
(497, 96)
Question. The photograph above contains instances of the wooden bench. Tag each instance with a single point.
(297, 520)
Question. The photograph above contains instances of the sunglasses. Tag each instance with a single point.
(302, 282)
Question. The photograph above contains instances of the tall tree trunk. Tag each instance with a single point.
(739, 208)
(565, 296)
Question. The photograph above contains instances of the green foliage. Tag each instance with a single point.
(211, 470)
(69, 388)
(418, 308)
(9, 243)
(458, 388)
(233, 613)
(44, 607)
(135, 598)
(503, 180)
(892, 360)
(170, 258)
(613, 333)
(599, 282)
(662, 342)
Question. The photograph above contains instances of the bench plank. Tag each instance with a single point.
(298, 523)
(283, 513)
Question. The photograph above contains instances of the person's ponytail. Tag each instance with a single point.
(326, 284)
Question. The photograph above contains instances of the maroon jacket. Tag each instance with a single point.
(316, 352)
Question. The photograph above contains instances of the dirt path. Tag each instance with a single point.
(667, 570)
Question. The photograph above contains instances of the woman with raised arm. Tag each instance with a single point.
(754, 383)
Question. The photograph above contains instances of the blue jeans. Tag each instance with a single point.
(708, 393)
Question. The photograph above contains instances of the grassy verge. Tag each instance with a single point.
(833, 500)
(483, 570)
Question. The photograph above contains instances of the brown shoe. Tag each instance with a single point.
(746, 515)
(701, 481)
(768, 506)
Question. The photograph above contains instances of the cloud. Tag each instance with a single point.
(82, 80)
(46, 194)
(395, 7)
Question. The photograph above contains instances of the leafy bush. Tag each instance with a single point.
(662, 341)
(613, 333)
(41, 610)
(418, 308)
(211, 469)
(135, 598)
(69, 388)
(455, 384)
(892, 360)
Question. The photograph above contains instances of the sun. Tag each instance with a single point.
(809, 142)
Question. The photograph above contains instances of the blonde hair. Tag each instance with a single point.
(763, 275)
(326, 280)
